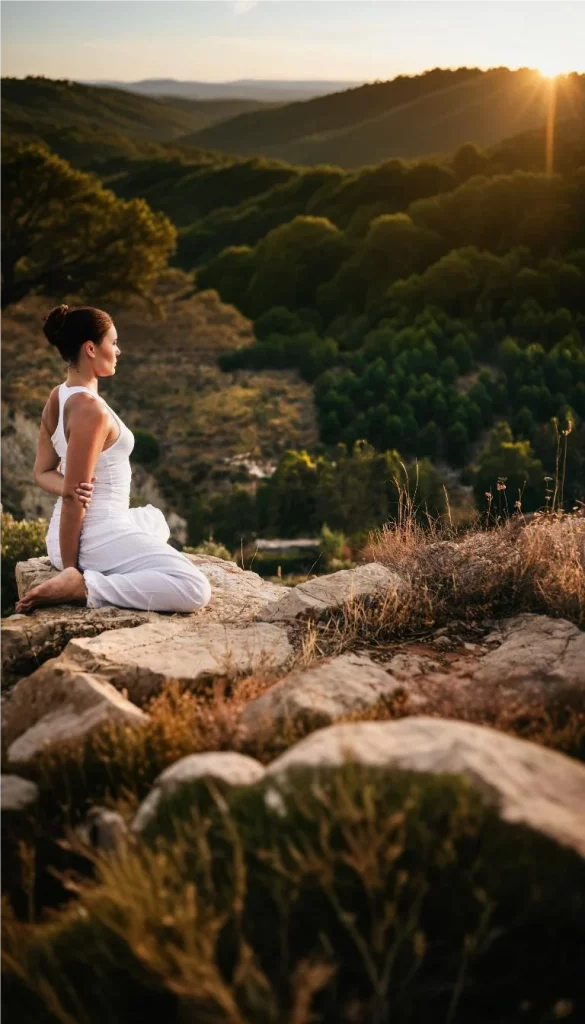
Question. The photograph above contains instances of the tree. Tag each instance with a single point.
(63, 233)
(514, 465)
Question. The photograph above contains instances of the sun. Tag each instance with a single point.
(551, 69)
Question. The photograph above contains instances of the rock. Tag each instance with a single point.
(179, 648)
(29, 640)
(103, 829)
(230, 768)
(324, 594)
(529, 784)
(17, 795)
(237, 595)
(319, 695)
(59, 702)
(535, 650)
(31, 573)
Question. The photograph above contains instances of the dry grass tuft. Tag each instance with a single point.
(513, 567)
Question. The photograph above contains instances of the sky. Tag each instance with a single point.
(348, 40)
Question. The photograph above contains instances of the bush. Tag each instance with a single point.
(211, 548)
(146, 449)
(21, 539)
(347, 896)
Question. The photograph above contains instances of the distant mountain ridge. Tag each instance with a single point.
(408, 117)
(243, 89)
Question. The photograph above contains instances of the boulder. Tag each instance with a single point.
(530, 785)
(537, 651)
(324, 594)
(229, 768)
(318, 695)
(185, 649)
(17, 795)
(57, 703)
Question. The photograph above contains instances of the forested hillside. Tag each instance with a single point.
(84, 122)
(434, 309)
(407, 117)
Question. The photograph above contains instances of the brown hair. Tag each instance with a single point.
(68, 327)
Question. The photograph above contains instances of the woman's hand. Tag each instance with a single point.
(85, 492)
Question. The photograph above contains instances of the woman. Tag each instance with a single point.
(108, 553)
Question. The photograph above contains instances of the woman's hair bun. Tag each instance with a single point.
(54, 324)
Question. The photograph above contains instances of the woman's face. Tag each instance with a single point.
(106, 354)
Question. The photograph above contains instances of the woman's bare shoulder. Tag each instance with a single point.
(50, 414)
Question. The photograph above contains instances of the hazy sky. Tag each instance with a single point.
(286, 39)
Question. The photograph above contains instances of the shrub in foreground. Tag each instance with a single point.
(351, 896)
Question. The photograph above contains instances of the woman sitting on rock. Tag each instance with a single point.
(108, 553)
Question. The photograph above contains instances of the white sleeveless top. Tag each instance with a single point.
(111, 495)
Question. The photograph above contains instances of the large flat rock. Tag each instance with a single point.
(28, 640)
(57, 703)
(320, 694)
(325, 594)
(529, 784)
(142, 659)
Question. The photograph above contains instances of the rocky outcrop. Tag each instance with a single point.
(318, 695)
(57, 703)
(28, 640)
(230, 769)
(529, 784)
(325, 594)
(185, 649)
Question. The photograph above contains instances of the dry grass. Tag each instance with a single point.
(513, 567)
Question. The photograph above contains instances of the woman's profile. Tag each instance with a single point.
(108, 553)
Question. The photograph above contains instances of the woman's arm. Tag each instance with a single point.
(46, 474)
(89, 424)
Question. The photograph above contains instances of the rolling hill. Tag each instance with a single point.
(69, 116)
(433, 113)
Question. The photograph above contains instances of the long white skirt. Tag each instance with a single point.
(127, 562)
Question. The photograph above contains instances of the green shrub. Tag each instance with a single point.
(21, 539)
(210, 547)
(146, 449)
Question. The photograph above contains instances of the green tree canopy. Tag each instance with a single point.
(64, 233)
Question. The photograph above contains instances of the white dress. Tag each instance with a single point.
(123, 551)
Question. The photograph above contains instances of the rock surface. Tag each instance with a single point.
(184, 649)
(237, 594)
(535, 650)
(16, 794)
(529, 784)
(103, 829)
(28, 640)
(318, 695)
(228, 767)
(324, 594)
(56, 703)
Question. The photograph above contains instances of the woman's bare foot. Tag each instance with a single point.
(66, 588)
